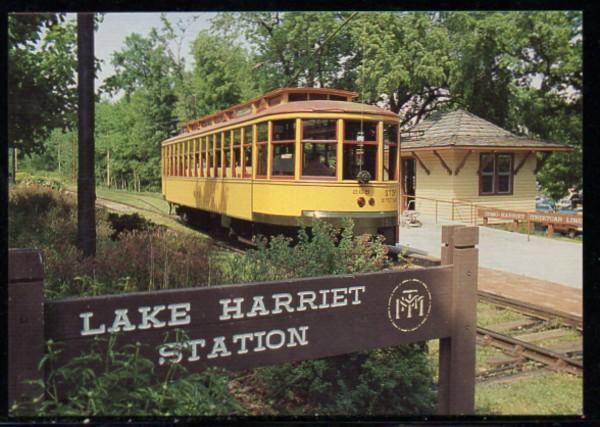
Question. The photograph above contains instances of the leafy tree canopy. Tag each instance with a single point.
(41, 78)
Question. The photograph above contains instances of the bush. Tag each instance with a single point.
(109, 380)
(121, 223)
(326, 250)
(389, 381)
(42, 218)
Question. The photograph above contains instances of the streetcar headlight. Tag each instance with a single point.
(360, 201)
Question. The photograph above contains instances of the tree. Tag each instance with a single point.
(551, 106)
(147, 72)
(41, 78)
(403, 61)
(221, 77)
(292, 48)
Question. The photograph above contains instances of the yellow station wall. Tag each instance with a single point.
(465, 186)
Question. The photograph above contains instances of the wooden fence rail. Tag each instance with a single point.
(249, 325)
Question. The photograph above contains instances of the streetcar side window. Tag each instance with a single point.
(202, 150)
(237, 162)
(219, 155)
(283, 139)
(360, 155)
(211, 156)
(261, 146)
(227, 153)
(319, 141)
(247, 159)
(390, 151)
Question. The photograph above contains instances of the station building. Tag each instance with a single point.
(453, 161)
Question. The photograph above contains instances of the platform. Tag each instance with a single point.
(533, 291)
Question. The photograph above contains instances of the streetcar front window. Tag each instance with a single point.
(360, 148)
(318, 159)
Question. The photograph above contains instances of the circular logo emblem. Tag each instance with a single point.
(409, 305)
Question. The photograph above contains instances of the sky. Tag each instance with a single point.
(115, 27)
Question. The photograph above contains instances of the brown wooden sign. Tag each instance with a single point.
(249, 325)
(244, 326)
(546, 218)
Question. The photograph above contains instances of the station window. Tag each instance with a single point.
(390, 151)
(360, 156)
(284, 136)
(496, 174)
(261, 146)
(227, 153)
(247, 159)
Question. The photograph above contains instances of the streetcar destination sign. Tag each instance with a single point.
(242, 326)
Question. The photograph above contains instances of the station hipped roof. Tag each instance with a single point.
(461, 129)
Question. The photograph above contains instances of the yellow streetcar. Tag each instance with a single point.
(290, 154)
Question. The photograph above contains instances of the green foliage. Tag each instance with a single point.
(221, 77)
(122, 223)
(41, 78)
(326, 250)
(389, 381)
(112, 380)
(141, 260)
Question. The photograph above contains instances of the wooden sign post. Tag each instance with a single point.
(250, 325)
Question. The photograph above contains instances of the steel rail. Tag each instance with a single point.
(530, 351)
(532, 310)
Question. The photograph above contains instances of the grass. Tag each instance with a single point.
(488, 314)
(544, 394)
(547, 393)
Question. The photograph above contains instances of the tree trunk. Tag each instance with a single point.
(86, 182)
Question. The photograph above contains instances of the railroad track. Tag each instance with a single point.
(519, 341)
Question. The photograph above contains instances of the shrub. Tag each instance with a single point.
(389, 381)
(109, 380)
(121, 223)
(326, 250)
(40, 217)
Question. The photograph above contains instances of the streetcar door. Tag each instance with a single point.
(409, 182)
